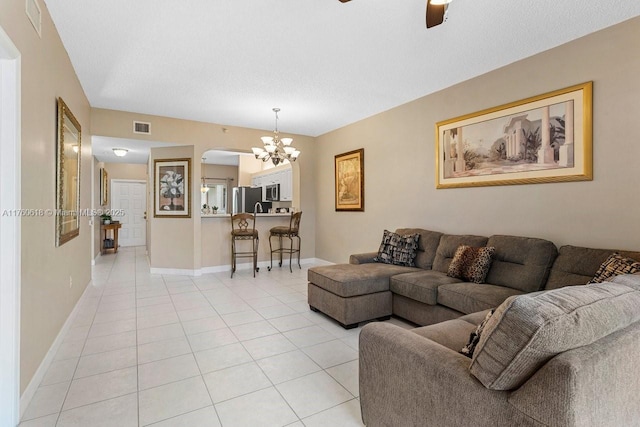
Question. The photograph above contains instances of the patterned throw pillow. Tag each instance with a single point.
(398, 250)
(474, 338)
(615, 265)
(471, 264)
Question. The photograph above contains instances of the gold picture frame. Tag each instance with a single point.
(172, 189)
(506, 145)
(349, 181)
(69, 150)
(104, 187)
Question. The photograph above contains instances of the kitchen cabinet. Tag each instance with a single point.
(286, 186)
(282, 177)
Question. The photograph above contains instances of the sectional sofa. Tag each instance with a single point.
(366, 290)
(556, 352)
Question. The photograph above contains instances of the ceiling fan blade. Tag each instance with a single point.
(435, 13)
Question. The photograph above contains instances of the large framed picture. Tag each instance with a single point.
(172, 188)
(104, 187)
(546, 138)
(349, 170)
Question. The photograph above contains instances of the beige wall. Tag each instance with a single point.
(399, 159)
(204, 137)
(126, 171)
(47, 299)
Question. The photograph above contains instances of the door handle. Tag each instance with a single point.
(145, 214)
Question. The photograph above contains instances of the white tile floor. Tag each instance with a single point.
(158, 350)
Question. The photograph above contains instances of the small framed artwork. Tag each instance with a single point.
(546, 138)
(104, 187)
(172, 188)
(349, 171)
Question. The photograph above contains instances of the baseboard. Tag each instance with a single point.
(227, 267)
(95, 260)
(31, 389)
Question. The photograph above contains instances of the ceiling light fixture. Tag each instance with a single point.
(440, 2)
(203, 186)
(120, 152)
(275, 148)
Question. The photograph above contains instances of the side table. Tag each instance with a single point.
(105, 233)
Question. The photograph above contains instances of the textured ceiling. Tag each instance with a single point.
(324, 63)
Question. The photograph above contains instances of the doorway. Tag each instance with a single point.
(130, 198)
(10, 262)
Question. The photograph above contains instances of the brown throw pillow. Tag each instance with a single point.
(615, 265)
(471, 264)
(398, 250)
(474, 338)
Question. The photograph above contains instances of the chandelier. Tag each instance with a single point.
(275, 148)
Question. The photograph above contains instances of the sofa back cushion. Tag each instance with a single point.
(449, 244)
(528, 330)
(577, 265)
(427, 245)
(521, 263)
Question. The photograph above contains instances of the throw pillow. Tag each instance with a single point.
(471, 264)
(474, 338)
(615, 265)
(528, 330)
(398, 250)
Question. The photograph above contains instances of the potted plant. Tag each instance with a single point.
(106, 218)
(215, 209)
(205, 209)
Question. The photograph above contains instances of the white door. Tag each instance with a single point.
(130, 197)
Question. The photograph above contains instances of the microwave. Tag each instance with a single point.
(272, 193)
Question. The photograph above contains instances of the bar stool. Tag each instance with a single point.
(243, 227)
(290, 232)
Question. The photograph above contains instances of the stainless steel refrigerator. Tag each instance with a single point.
(245, 198)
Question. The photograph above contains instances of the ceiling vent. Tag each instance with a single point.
(35, 15)
(142, 127)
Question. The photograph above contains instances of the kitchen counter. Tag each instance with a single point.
(216, 239)
(259, 215)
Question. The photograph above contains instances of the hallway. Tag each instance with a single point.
(198, 351)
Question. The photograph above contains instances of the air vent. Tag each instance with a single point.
(142, 127)
(35, 15)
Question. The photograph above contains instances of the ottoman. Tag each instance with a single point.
(353, 293)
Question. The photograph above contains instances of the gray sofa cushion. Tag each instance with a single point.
(470, 297)
(420, 285)
(630, 280)
(475, 318)
(427, 245)
(521, 263)
(528, 330)
(348, 280)
(577, 265)
(453, 334)
(447, 249)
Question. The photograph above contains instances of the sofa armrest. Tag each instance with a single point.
(408, 380)
(366, 258)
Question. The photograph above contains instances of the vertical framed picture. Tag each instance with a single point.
(349, 174)
(546, 138)
(104, 187)
(172, 188)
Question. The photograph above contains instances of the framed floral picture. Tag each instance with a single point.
(172, 188)
(349, 170)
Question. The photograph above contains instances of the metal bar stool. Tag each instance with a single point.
(289, 232)
(243, 227)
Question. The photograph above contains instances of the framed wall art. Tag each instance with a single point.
(172, 188)
(546, 138)
(349, 172)
(68, 153)
(104, 187)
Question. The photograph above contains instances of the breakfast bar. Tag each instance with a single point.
(216, 239)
